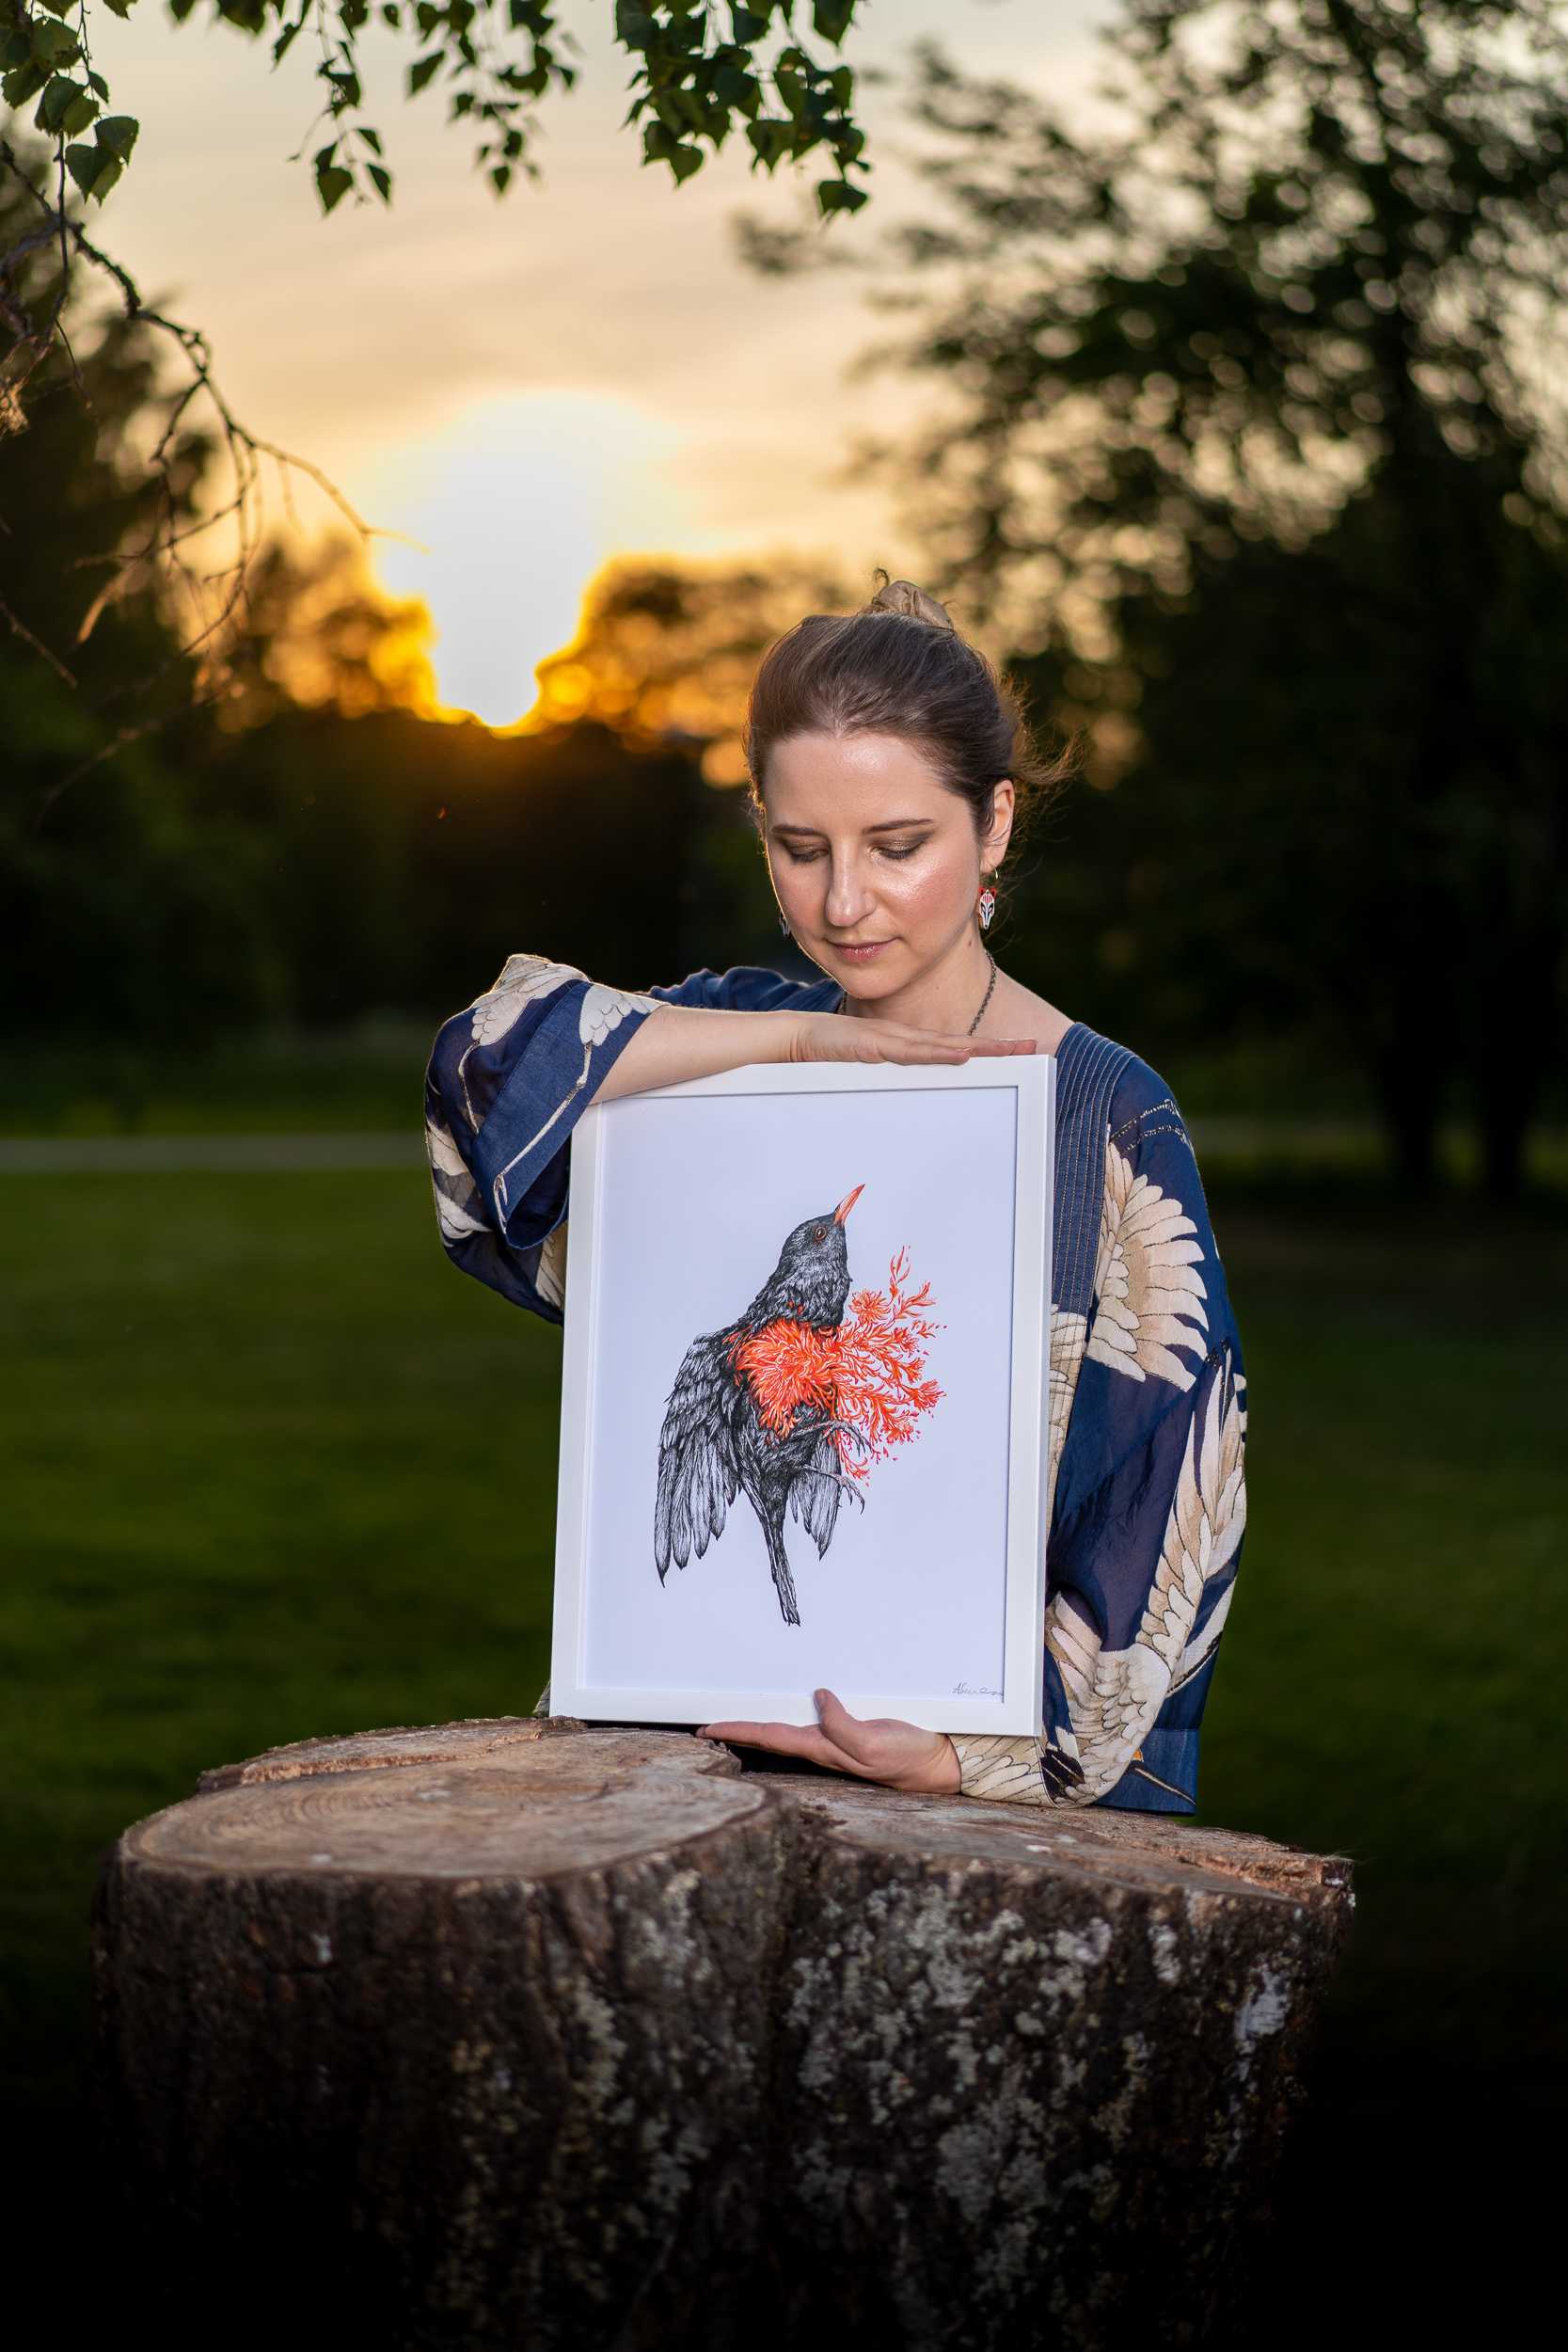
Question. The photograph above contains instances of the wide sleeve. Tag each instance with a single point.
(1150, 1497)
(507, 1081)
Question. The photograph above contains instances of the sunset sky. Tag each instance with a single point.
(532, 386)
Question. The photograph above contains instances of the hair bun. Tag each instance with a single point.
(902, 595)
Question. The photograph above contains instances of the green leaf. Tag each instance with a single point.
(22, 83)
(833, 19)
(392, 15)
(772, 140)
(423, 71)
(837, 196)
(332, 184)
(84, 165)
(59, 92)
(56, 44)
(118, 133)
(118, 7)
(634, 27)
(371, 138)
(77, 116)
(93, 168)
(748, 26)
(61, 7)
(500, 178)
(683, 160)
(96, 82)
(382, 181)
(735, 88)
(286, 40)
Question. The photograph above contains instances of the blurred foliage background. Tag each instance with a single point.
(1255, 481)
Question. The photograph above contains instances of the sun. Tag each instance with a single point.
(516, 503)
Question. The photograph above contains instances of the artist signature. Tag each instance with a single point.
(974, 1691)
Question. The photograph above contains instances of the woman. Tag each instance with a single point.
(887, 762)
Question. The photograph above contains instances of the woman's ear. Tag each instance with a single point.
(1004, 799)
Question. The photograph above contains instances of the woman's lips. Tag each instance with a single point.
(862, 954)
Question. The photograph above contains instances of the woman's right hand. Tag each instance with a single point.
(844, 1037)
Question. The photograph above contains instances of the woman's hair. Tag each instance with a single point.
(899, 667)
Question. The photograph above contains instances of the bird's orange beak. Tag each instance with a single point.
(847, 1204)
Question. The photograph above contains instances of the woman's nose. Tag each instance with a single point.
(848, 898)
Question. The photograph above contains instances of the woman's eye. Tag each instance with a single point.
(887, 848)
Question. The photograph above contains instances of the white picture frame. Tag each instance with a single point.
(679, 1207)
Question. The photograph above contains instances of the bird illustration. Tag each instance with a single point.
(718, 1441)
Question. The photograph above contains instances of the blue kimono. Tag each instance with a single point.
(1146, 1486)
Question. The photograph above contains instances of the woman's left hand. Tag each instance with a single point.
(874, 1747)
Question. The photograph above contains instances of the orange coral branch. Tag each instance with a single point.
(867, 1373)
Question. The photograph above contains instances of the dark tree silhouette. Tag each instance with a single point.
(123, 915)
(1249, 440)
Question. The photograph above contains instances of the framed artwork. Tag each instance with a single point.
(804, 1397)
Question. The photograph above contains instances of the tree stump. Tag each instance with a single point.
(530, 2035)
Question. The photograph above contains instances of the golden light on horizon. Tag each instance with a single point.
(519, 501)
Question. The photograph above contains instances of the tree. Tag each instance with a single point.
(694, 81)
(141, 906)
(666, 648)
(319, 632)
(1251, 443)
(125, 919)
(1388, 847)
(699, 73)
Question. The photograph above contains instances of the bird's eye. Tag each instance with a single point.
(819, 1233)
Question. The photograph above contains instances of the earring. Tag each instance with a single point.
(784, 920)
(988, 906)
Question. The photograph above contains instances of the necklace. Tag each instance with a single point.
(844, 999)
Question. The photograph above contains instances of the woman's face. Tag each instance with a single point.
(874, 859)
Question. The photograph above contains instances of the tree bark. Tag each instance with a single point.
(527, 2034)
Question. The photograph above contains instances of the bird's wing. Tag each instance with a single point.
(814, 1499)
(698, 1471)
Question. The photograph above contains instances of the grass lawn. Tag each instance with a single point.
(274, 1469)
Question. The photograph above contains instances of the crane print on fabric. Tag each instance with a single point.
(792, 1402)
(1151, 1313)
(1152, 1302)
